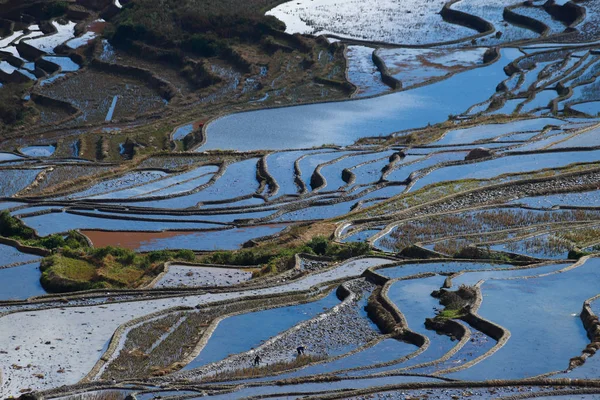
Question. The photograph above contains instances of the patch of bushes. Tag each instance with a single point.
(379, 314)
(189, 141)
(474, 253)
(322, 246)
(576, 254)
(13, 228)
(450, 314)
(72, 240)
(197, 73)
(202, 45)
(274, 260)
(101, 148)
(434, 227)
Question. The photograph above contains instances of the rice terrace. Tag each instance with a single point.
(324, 199)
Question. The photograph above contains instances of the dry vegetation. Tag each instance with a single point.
(440, 226)
(156, 347)
(269, 369)
(103, 395)
(419, 197)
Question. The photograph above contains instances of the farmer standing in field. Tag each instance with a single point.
(256, 360)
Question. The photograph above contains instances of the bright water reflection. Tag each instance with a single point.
(344, 122)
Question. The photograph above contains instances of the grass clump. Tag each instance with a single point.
(450, 314)
(106, 267)
(456, 303)
(13, 228)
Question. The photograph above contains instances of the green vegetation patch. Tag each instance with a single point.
(275, 259)
(456, 303)
(13, 228)
(450, 314)
(105, 267)
(576, 254)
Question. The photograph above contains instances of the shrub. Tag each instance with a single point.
(52, 241)
(576, 254)
(117, 252)
(202, 45)
(455, 302)
(72, 240)
(354, 249)
(185, 255)
(56, 9)
(12, 109)
(319, 244)
(450, 314)
(13, 227)
(274, 260)
(322, 246)
(166, 255)
(73, 253)
(75, 240)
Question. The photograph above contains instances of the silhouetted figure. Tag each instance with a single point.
(256, 360)
(300, 350)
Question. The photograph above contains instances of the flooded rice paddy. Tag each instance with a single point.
(469, 171)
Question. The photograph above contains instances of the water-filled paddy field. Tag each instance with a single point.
(451, 186)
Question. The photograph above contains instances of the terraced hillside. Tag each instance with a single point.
(309, 199)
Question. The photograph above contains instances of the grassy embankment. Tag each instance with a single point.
(105, 267)
(111, 267)
(275, 258)
(73, 265)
